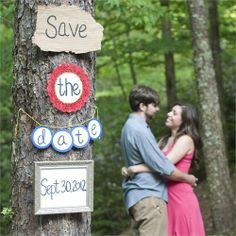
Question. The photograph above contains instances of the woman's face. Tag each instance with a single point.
(174, 119)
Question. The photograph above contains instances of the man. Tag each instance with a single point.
(146, 193)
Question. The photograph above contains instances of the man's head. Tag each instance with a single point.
(144, 99)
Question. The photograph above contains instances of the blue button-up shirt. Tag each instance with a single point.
(139, 146)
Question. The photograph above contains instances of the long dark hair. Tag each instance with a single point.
(190, 126)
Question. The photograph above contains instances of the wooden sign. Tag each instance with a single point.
(67, 28)
(63, 187)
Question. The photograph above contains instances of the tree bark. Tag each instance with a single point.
(130, 57)
(169, 59)
(215, 46)
(116, 65)
(31, 72)
(218, 178)
(216, 53)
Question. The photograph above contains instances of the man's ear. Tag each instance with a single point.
(142, 106)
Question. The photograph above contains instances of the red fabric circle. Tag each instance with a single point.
(70, 68)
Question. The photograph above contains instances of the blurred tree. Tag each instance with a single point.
(31, 69)
(117, 69)
(127, 25)
(130, 55)
(217, 171)
(169, 57)
(216, 50)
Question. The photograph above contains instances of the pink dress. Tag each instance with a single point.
(184, 214)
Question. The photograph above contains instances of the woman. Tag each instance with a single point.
(180, 147)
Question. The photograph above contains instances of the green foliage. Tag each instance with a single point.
(5, 217)
(109, 215)
(227, 17)
(7, 212)
(131, 29)
(6, 24)
(147, 48)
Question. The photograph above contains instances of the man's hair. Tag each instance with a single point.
(142, 94)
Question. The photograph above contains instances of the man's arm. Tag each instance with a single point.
(176, 175)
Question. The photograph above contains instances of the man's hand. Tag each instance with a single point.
(193, 180)
(124, 172)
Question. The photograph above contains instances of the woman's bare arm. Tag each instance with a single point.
(183, 146)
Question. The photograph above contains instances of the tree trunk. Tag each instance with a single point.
(221, 194)
(118, 76)
(216, 53)
(31, 70)
(215, 46)
(130, 57)
(169, 59)
(116, 65)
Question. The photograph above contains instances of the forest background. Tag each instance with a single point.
(133, 52)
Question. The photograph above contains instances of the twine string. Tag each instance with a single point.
(21, 110)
